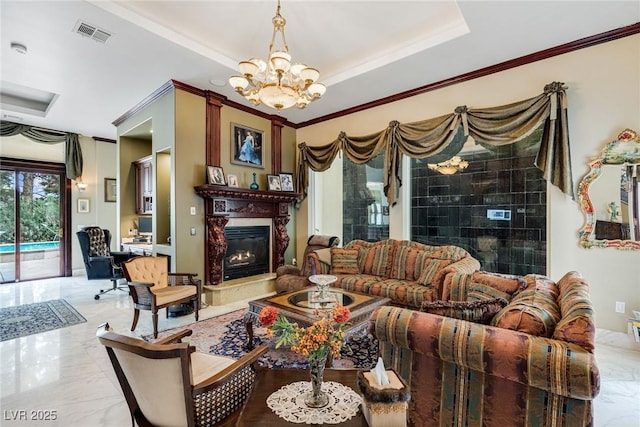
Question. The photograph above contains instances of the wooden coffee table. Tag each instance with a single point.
(298, 306)
(256, 412)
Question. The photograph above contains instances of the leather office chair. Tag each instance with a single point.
(167, 383)
(99, 262)
(291, 278)
(152, 287)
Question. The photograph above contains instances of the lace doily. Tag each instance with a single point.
(288, 403)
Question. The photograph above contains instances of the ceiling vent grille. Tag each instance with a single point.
(91, 31)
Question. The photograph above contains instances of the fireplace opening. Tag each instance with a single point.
(247, 251)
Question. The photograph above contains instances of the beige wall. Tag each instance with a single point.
(101, 213)
(228, 116)
(189, 171)
(604, 98)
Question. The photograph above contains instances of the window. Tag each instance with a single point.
(365, 209)
(495, 209)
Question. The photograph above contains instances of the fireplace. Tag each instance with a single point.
(247, 251)
(223, 203)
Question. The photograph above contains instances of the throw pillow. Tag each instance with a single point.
(344, 261)
(576, 325)
(472, 311)
(534, 311)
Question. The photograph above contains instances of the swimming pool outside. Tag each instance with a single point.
(25, 247)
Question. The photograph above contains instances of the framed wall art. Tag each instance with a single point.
(215, 175)
(247, 146)
(286, 182)
(110, 190)
(274, 183)
(83, 206)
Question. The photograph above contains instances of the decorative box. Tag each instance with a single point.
(384, 406)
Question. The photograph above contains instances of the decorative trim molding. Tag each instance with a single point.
(162, 90)
(110, 141)
(523, 60)
(210, 191)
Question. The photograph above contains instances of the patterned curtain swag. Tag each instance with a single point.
(442, 137)
(73, 151)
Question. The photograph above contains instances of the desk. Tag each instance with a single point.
(256, 412)
(144, 249)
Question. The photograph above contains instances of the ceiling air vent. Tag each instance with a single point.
(94, 33)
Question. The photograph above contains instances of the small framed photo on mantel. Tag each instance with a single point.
(274, 183)
(215, 175)
(286, 182)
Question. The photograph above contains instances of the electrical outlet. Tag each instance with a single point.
(192, 210)
(193, 231)
(620, 307)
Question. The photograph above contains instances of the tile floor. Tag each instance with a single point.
(67, 371)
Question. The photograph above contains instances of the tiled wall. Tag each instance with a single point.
(453, 209)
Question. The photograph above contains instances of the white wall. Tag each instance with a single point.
(604, 99)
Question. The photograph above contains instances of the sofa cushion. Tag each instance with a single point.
(405, 263)
(432, 271)
(376, 260)
(481, 285)
(576, 325)
(473, 311)
(506, 283)
(344, 261)
(356, 282)
(534, 311)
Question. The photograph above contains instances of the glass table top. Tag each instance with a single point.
(315, 299)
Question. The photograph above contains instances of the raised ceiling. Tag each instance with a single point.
(365, 50)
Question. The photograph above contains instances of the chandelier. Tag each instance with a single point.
(277, 82)
(449, 167)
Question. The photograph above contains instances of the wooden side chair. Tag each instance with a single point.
(167, 383)
(152, 287)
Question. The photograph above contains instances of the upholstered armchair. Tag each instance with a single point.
(167, 383)
(152, 287)
(99, 261)
(290, 278)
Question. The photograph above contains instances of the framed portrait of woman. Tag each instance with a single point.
(247, 146)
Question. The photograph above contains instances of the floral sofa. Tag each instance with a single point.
(406, 272)
(530, 363)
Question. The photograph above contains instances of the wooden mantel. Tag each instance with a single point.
(222, 203)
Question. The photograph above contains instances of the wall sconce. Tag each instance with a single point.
(81, 186)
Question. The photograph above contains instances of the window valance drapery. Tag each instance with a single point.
(73, 151)
(442, 137)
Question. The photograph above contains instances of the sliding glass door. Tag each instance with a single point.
(32, 219)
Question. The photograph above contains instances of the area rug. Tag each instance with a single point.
(28, 319)
(226, 335)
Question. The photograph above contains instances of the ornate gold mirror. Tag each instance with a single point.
(609, 196)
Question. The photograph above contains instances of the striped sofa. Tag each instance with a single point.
(533, 365)
(406, 272)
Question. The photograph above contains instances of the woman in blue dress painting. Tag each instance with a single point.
(247, 151)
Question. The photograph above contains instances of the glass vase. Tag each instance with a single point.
(316, 398)
(254, 184)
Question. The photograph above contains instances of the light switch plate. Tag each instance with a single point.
(192, 210)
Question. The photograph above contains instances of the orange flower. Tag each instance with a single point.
(268, 316)
(316, 341)
(341, 314)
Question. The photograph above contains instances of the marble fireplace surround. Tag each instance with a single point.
(242, 206)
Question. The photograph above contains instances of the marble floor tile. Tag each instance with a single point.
(68, 371)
